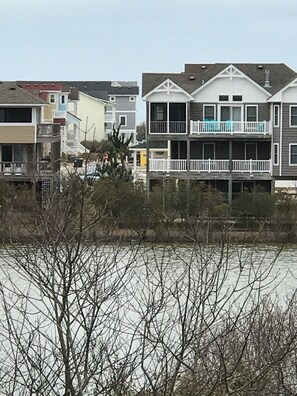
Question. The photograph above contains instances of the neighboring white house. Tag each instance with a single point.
(91, 112)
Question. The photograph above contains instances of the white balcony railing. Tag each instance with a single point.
(251, 166)
(9, 168)
(167, 165)
(231, 127)
(210, 166)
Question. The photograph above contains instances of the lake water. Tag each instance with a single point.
(146, 283)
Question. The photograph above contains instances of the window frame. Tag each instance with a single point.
(214, 111)
(246, 112)
(125, 117)
(276, 154)
(52, 98)
(276, 115)
(290, 154)
(238, 98)
(290, 117)
(222, 98)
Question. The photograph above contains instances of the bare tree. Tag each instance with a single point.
(62, 298)
(84, 317)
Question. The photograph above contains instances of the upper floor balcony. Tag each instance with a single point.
(213, 127)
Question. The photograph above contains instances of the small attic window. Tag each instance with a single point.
(112, 98)
(12, 88)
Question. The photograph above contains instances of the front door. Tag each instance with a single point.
(250, 151)
(208, 151)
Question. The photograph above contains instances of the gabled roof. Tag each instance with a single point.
(12, 94)
(97, 89)
(169, 86)
(195, 75)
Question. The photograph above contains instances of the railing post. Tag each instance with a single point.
(251, 165)
(208, 165)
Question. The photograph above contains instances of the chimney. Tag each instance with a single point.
(267, 80)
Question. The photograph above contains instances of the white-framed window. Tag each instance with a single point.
(276, 115)
(251, 113)
(52, 98)
(112, 99)
(230, 113)
(223, 98)
(293, 154)
(293, 116)
(251, 151)
(275, 153)
(209, 112)
(132, 98)
(237, 98)
(123, 120)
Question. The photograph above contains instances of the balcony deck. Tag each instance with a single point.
(210, 166)
(230, 127)
(28, 170)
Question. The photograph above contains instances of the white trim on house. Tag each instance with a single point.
(231, 72)
(277, 97)
(168, 86)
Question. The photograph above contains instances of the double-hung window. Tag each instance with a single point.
(251, 113)
(209, 112)
(276, 115)
(293, 116)
(293, 154)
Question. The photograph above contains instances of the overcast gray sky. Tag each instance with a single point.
(121, 39)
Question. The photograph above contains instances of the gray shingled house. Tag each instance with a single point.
(233, 126)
